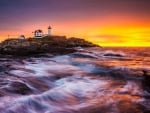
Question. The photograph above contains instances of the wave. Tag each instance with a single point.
(77, 94)
(97, 81)
(113, 54)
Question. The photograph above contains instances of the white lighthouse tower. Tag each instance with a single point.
(49, 31)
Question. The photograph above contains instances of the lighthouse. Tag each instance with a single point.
(49, 31)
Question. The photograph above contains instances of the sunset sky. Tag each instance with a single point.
(104, 22)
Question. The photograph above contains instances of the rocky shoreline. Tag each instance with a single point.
(49, 44)
(88, 75)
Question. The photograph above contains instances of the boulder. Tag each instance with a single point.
(18, 88)
(146, 80)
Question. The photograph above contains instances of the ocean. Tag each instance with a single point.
(91, 80)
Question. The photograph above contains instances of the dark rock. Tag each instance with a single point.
(38, 83)
(51, 44)
(2, 69)
(82, 55)
(18, 88)
(146, 80)
(113, 55)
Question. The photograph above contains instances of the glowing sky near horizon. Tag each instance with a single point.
(104, 22)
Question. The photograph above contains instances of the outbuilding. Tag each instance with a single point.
(21, 37)
(38, 33)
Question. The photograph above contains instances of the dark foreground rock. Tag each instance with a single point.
(146, 81)
(113, 55)
(52, 44)
(18, 88)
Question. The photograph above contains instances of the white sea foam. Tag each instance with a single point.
(70, 84)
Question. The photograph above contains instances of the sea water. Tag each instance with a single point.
(91, 80)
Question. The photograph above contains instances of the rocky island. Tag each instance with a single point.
(48, 44)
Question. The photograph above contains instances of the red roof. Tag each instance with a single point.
(39, 30)
(49, 27)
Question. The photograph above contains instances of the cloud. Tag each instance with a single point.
(110, 38)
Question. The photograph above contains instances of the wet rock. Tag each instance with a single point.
(126, 74)
(129, 107)
(2, 94)
(1, 69)
(136, 73)
(147, 111)
(83, 55)
(146, 80)
(113, 55)
(19, 88)
(117, 74)
(40, 84)
(96, 109)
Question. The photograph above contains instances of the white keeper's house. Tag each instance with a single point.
(39, 33)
